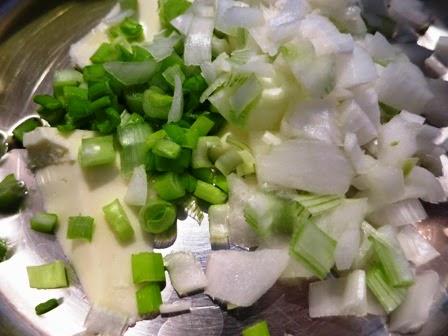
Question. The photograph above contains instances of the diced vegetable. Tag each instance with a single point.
(209, 193)
(118, 221)
(185, 272)
(257, 329)
(12, 194)
(148, 267)
(157, 216)
(169, 187)
(96, 151)
(48, 276)
(314, 248)
(26, 126)
(80, 227)
(148, 299)
(45, 307)
(44, 222)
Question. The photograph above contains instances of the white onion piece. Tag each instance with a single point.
(347, 248)
(104, 322)
(163, 46)
(421, 183)
(304, 165)
(416, 248)
(397, 140)
(218, 219)
(244, 17)
(353, 120)
(367, 99)
(382, 184)
(360, 161)
(324, 35)
(198, 44)
(313, 119)
(185, 272)
(403, 86)
(339, 297)
(355, 69)
(296, 270)
(245, 94)
(414, 311)
(177, 106)
(222, 6)
(183, 22)
(137, 188)
(373, 306)
(380, 49)
(240, 233)
(240, 277)
(401, 213)
(182, 306)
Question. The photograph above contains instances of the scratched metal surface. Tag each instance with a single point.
(34, 41)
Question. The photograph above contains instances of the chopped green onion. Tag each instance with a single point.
(46, 306)
(202, 125)
(131, 29)
(200, 157)
(389, 297)
(25, 127)
(132, 73)
(156, 104)
(147, 267)
(80, 227)
(171, 72)
(157, 216)
(3, 249)
(48, 276)
(228, 162)
(44, 222)
(118, 221)
(105, 53)
(395, 266)
(78, 109)
(74, 91)
(132, 138)
(258, 329)
(317, 204)
(67, 77)
(166, 148)
(94, 73)
(169, 187)
(191, 139)
(149, 299)
(152, 139)
(175, 133)
(12, 194)
(48, 102)
(248, 165)
(173, 165)
(99, 89)
(314, 248)
(100, 104)
(209, 193)
(134, 102)
(170, 9)
(189, 182)
(96, 151)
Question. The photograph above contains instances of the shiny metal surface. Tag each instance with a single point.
(28, 56)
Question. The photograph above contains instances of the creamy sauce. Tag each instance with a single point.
(103, 265)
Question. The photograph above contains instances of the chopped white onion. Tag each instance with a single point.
(296, 270)
(244, 17)
(421, 183)
(137, 188)
(177, 106)
(313, 119)
(339, 297)
(403, 86)
(380, 49)
(324, 35)
(353, 120)
(401, 213)
(182, 306)
(198, 43)
(414, 311)
(183, 22)
(185, 272)
(355, 69)
(163, 46)
(240, 277)
(416, 248)
(218, 219)
(304, 165)
(360, 161)
(367, 99)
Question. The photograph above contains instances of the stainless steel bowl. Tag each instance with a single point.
(34, 41)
